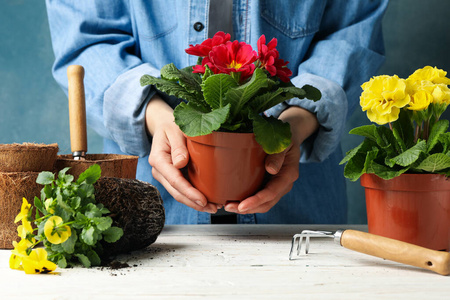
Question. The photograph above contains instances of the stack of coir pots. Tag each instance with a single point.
(20, 164)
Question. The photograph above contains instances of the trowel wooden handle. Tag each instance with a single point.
(77, 109)
(437, 261)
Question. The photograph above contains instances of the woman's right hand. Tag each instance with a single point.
(169, 155)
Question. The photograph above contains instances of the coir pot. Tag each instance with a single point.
(226, 166)
(413, 208)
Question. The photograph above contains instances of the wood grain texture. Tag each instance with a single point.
(233, 262)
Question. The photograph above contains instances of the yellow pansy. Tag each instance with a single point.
(420, 100)
(382, 98)
(37, 262)
(55, 231)
(23, 211)
(48, 202)
(429, 73)
(19, 252)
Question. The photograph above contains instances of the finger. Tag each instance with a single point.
(277, 186)
(178, 149)
(274, 162)
(180, 197)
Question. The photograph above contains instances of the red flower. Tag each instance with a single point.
(269, 58)
(234, 57)
(283, 72)
(204, 48)
(201, 68)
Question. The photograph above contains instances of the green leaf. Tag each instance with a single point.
(215, 88)
(435, 162)
(87, 235)
(271, 133)
(437, 129)
(84, 260)
(112, 234)
(368, 131)
(62, 262)
(239, 96)
(267, 100)
(90, 175)
(311, 93)
(186, 79)
(38, 204)
(194, 122)
(94, 258)
(384, 172)
(103, 223)
(403, 129)
(45, 177)
(69, 244)
(170, 88)
(411, 155)
(386, 140)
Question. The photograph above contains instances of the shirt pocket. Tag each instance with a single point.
(154, 19)
(295, 19)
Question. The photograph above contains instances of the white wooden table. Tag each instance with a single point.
(232, 262)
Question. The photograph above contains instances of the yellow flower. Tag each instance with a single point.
(55, 232)
(23, 211)
(37, 262)
(48, 202)
(420, 100)
(441, 94)
(429, 73)
(382, 98)
(19, 252)
(24, 229)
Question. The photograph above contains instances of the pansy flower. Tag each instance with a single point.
(25, 209)
(37, 263)
(55, 231)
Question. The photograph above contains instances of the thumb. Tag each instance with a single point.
(179, 152)
(274, 162)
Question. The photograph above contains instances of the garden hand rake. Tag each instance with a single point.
(375, 245)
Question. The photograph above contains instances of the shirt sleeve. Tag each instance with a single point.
(345, 52)
(98, 36)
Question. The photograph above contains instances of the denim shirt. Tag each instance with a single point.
(333, 45)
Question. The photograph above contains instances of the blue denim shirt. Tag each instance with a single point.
(333, 45)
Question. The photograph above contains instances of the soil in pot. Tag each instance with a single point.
(226, 166)
(27, 157)
(414, 208)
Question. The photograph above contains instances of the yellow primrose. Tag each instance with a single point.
(441, 94)
(382, 98)
(420, 100)
(37, 262)
(55, 232)
(23, 211)
(429, 73)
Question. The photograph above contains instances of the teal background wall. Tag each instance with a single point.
(34, 109)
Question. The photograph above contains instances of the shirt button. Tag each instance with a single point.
(199, 26)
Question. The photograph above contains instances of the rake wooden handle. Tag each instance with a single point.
(77, 109)
(436, 261)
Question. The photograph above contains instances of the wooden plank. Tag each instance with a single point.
(224, 261)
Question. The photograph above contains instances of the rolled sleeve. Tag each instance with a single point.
(330, 111)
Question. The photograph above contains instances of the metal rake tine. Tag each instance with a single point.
(297, 240)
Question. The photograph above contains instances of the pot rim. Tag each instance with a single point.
(226, 139)
(407, 182)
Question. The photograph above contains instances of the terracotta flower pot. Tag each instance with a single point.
(112, 165)
(226, 166)
(414, 208)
